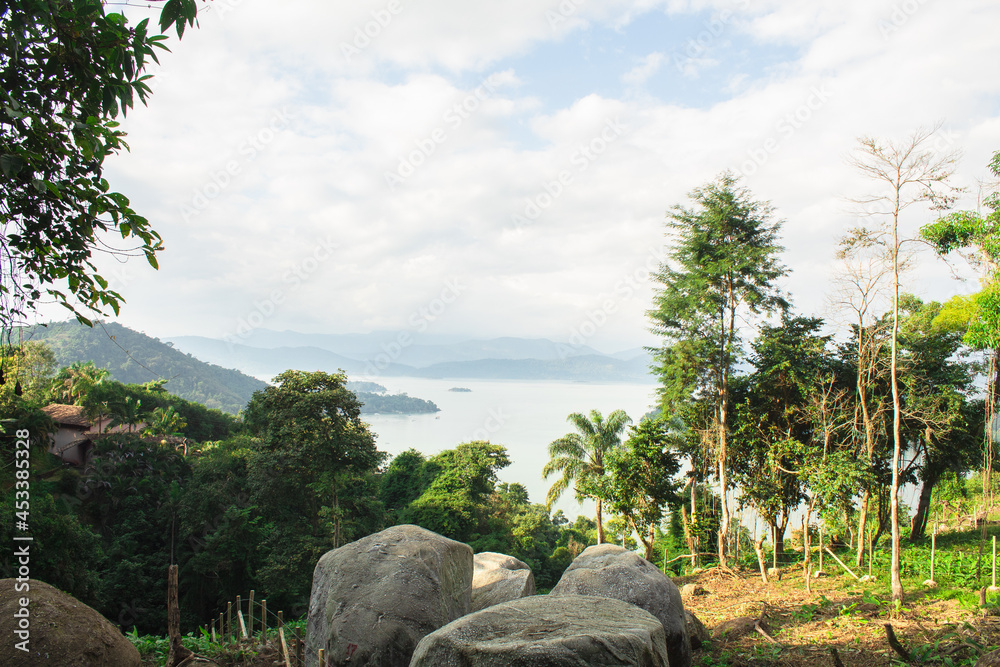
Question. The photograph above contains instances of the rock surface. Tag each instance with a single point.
(697, 632)
(610, 571)
(499, 578)
(543, 630)
(991, 659)
(63, 632)
(372, 600)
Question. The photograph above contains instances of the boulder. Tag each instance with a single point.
(697, 632)
(690, 590)
(374, 599)
(610, 571)
(499, 578)
(62, 631)
(991, 659)
(547, 631)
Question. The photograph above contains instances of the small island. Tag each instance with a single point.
(463, 390)
(375, 399)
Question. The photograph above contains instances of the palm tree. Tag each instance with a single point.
(164, 421)
(580, 457)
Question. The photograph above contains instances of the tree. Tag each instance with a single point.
(641, 479)
(773, 434)
(461, 482)
(962, 231)
(909, 174)
(580, 458)
(164, 421)
(724, 262)
(311, 471)
(68, 70)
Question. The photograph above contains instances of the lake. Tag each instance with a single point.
(523, 416)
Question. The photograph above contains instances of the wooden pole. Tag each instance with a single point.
(222, 627)
(243, 626)
(841, 563)
(213, 631)
(994, 586)
(933, 550)
(251, 612)
(322, 657)
(820, 547)
(263, 617)
(229, 621)
(284, 646)
(177, 651)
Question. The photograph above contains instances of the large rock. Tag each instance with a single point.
(62, 631)
(374, 599)
(499, 578)
(611, 571)
(543, 630)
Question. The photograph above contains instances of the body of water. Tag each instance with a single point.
(523, 416)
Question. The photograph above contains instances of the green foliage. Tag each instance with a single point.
(461, 480)
(396, 404)
(311, 469)
(69, 69)
(641, 479)
(580, 457)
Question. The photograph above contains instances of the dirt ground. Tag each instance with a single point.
(838, 613)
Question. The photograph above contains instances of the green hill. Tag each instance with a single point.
(134, 358)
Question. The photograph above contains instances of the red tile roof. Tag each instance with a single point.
(67, 415)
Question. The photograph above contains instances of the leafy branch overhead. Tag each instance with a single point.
(69, 69)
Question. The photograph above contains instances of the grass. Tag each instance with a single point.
(254, 652)
(941, 625)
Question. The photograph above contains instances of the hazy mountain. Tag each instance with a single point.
(388, 354)
(400, 347)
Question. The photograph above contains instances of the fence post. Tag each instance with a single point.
(229, 620)
(263, 618)
(322, 657)
(251, 612)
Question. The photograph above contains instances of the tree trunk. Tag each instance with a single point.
(177, 651)
(689, 537)
(759, 548)
(897, 437)
(600, 523)
(918, 527)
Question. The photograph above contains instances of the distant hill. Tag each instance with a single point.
(375, 356)
(134, 358)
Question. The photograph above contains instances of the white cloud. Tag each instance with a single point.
(323, 174)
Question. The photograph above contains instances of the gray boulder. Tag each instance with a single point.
(610, 571)
(546, 631)
(499, 578)
(56, 629)
(374, 599)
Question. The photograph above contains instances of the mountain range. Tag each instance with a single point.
(265, 353)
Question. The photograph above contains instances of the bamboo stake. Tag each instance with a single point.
(820, 547)
(284, 646)
(993, 588)
(842, 563)
(322, 657)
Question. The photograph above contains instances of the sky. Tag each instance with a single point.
(505, 169)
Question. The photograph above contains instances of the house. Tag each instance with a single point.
(75, 437)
